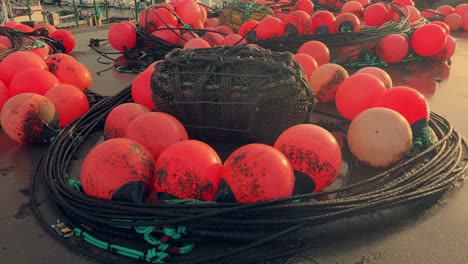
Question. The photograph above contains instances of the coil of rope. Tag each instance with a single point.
(172, 227)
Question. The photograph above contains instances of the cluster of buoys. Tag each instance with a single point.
(38, 96)
(151, 152)
(455, 18)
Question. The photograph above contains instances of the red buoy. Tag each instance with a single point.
(141, 89)
(69, 101)
(323, 22)
(429, 13)
(407, 101)
(404, 2)
(325, 81)
(186, 37)
(212, 22)
(447, 52)
(347, 22)
(122, 36)
(375, 15)
(428, 40)
(379, 73)
(17, 62)
(188, 169)
(453, 21)
(317, 50)
(120, 117)
(445, 10)
(197, 43)
(358, 93)
(353, 7)
(248, 26)
(67, 39)
(32, 81)
(392, 48)
(214, 39)
(188, 11)
(444, 26)
(6, 41)
(461, 9)
(258, 172)
(156, 131)
(307, 63)
(118, 169)
(26, 117)
(270, 27)
(224, 30)
(312, 151)
(3, 95)
(74, 73)
(168, 34)
(234, 40)
(305, 5)
(300, 21)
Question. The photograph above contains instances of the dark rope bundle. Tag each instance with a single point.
(26, 41)
(384, 198)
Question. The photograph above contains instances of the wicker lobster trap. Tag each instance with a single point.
(233, 92)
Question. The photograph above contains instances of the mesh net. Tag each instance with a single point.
(238, 93)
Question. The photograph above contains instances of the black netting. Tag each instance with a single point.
(241, 93)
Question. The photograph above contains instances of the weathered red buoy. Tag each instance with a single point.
(67, 39)
(118, 169)
(323, 22)
(17, 62)
(270, 27)
(72, 72)
(188, 169)
(305, 5)
(300, 21)
(248, 26)
(325, 81)
(122, 36)
(379, 73)
(32, 81)
(120, 117)
(141, 89)
(347, 22)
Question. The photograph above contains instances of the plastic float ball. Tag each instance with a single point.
(45, 26)
(122, 36)
(447, 52)
(305, 5)
(313, 152)
(120, 117)
(445, 10)
(379, 137)
(224, 30)
(188, 11)
(308, 64)
(323, 22)
(461, 9)
(392, 48)
(379, 73)
(214, 39)
(17, 62)
(347, 22)
(325, 81)
(6, 41)
(29, 118)
(298, 22)
(428, 40)
(212, 22)
(156, 131)
(67, 39)
(465, 22)
(248, 26)
(146, 19)
(358, 93)
(375, 15)
(74, 73)
(317, 50)
(444, 26)
(197, 43)
(353, 7)
(3, 95)
(118, 169)
(258, 172)
(414, 14)
(170, 35)
(270, 27)
(408, 102)
(188, 170)
(186, 37)
(203, 15)
(141, 89)
(69, 101)
(163, 16)
(234, 40)
(429, 13)
(403, 2)
(32, 81)
(454, 21)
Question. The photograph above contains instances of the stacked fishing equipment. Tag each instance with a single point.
(219, 144)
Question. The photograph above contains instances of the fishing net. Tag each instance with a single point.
(236, 13)
(244, 93)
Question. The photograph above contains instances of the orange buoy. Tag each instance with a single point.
(67, 39)
(32, 81)
(188, 11)
(156, 131)
(28, 118)
(120, 117)
(141, 89)
(392, 48)
(118, 169)
(379, 73)
(358, 93)
(325, 81)
(17, 62)
(248, 26)
(69, 101)
(197, 43)
(258, 172)
(298, 22)
(188, 169)
(428, 40)
(313, 151)
(72, 72)
(447, 52)
(203, 15)
(234, 40)
(307, 63)
(323, 22)
(122, 36)
(317, 50)
(347, 22)
(379, 137)
(270, 27)
(454, 21)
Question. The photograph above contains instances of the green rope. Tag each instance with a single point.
(36, 45)
(187, 201)
(247, 6)
(76, 184)
(421, 141)
(369, 60)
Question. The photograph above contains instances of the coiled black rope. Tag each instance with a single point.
(404, 188)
